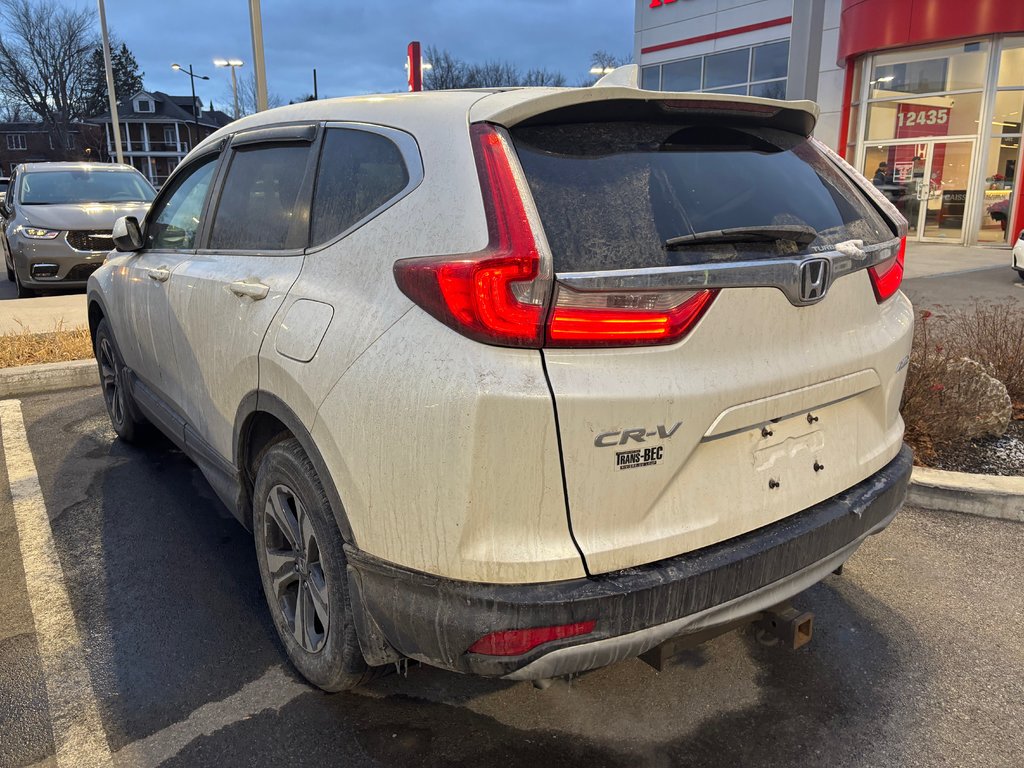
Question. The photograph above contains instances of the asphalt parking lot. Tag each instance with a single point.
(144, 640)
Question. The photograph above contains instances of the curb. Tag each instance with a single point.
(47, 377)
(992, 496)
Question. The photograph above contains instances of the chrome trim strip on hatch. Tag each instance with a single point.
(785, 274)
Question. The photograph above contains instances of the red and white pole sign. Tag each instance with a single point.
(415, 67)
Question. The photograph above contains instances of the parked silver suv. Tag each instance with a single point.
(57, 218)
(519, 383)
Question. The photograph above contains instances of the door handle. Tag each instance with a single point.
(160, 274)
(254, 291)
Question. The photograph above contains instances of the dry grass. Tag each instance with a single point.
(27, 347)
(992, 334)
(935, 412)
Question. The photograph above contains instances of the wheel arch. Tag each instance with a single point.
(97, 312)
(263, 420)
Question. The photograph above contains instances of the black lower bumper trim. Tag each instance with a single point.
(435, 620)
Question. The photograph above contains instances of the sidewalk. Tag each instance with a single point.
(41, 314)
(930, 259)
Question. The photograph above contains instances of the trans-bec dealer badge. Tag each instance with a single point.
(641, 457)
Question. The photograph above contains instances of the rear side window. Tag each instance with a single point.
(259, 206)
(611, 194)
(359, 172)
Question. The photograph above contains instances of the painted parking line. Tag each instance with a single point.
(78, 733)
(273, 690)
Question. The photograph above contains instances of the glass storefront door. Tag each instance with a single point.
(927, 180)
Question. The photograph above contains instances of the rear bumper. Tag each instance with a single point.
(435, 620)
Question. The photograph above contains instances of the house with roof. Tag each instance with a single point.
(158, 130)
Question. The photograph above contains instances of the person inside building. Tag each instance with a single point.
(881, 174)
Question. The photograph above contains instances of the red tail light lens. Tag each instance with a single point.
(887, 276)
(515, 642)
(623, 319)
(496, 295)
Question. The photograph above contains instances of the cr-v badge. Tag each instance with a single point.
(639, 435)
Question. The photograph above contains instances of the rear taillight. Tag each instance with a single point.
(497, 295)
(516, 642)
(611, 319)
(501, 295)
(887, 276)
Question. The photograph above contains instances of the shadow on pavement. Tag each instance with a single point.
(170, 607)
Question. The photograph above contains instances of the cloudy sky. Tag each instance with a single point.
(359, 47)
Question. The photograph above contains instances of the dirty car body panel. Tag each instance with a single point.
(565, 401)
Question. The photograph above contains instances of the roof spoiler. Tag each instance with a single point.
(627, 76)
(610, 100)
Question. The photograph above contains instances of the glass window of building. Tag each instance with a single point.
(1002, 159)
(759, 70)
(770, 61)
(681, 75)
(728, 68)
(937, 70)
(650, 78)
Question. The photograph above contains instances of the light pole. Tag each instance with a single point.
(234, 63)
(111, 96)
(192, 76)
(258, 65)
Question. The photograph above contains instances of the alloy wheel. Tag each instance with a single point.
(110, 374)
(295, 569)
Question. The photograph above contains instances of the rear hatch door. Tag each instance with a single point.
(779, 391)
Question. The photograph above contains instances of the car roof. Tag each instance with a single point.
(63, 166)
(503, 106)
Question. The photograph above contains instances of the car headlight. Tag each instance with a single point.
(38, 233)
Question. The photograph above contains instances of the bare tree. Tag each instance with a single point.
(447, 71)
(11, 111)
(247, 96)
(44, 57)
(603, 60)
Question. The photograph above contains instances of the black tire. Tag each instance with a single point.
(288, 489)
(23, 292)
(129, 425)
(1020, 273)
(10, 274)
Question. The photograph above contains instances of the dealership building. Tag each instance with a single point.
(925, 97)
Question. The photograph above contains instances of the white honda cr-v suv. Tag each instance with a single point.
(519, 382)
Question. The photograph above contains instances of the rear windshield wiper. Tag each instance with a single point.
(797, 233)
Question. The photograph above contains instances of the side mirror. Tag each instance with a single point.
(127, 234)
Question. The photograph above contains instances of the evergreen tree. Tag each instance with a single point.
(127, 79)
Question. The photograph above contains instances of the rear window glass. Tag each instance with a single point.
(611, 194)
(260, 201)
(359, 172)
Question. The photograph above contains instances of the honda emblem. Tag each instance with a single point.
(814, 279)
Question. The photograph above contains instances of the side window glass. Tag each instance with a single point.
(175, 220)
(259, 201)
(359, 172)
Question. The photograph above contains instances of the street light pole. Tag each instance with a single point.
(110, 83)
(195, 116)
(233, 63)
(259, 66)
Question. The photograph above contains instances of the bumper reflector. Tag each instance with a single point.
(515, 642)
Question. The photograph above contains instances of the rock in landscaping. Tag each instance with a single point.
(985, 403)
